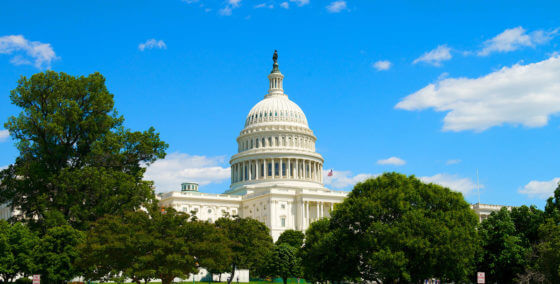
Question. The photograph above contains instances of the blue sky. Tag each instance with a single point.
(431, 88)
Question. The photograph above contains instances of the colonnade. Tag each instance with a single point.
(277, 168)
(321, 210)
(290, 141)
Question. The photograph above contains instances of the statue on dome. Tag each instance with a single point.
(275, 56)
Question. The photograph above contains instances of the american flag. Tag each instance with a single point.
(330, 173)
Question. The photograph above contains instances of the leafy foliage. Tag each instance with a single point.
(283, 262)
(56, 253)
(503, 255)
(16, 250)
(154, 244)
(291, 237)
(76, 160)
(321, 252)
(397, 228)
(549, 251)
(249, 241)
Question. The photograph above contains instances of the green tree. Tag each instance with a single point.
(548, 250)
(321, 252)
(527, 221)
(56, 252)
(16, 250)
(552, 208)
(291, 237)
(145, 245)
(397, 228)
(75, 158)
(283, 262)
(249, 241)
(503, 256)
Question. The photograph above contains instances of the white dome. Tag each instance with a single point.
(275, 109)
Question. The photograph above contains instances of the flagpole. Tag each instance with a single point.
(477, 186)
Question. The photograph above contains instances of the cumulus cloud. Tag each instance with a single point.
(435, 56)
(393, 161)
(264, 5)
(285, 5)
(515, 38)
(519, 95)
(453, 182)
(344, 179)
(27, 52)
(382, 65)
(336, 6)
(300, 2)
(540, 189)
(169, 173)
(4, 134)
(228, 9)
(152, 43)
(452, 162)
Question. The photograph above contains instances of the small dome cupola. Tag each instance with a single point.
(276, 79)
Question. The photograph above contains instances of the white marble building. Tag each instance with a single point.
(276, 176)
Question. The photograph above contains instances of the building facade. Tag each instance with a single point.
(276, 176)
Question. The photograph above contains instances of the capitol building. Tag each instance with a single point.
(276, 175)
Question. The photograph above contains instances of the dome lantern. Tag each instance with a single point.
(276, 79)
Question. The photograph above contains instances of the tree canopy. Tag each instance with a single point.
(283, 262)
(249, 241)
(146, 245)
(291, 237)
(17, 244)
(397, 228)
(76, 159)
(503, 255)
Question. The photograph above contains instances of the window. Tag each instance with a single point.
(283, 221)
(283, 206)
(276, 169)
(209, 211)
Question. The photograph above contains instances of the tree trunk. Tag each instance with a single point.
(231, 275)
(285, 279)
(167, 279)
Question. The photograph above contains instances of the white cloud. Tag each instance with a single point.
(169, 173)
(515, 38)
(453, 182)
(300, 2)
(226, 11)
(521, 94)
(452, 162)
(336, 6)
(27, 52)
(264, 5)
(4, 134)
(382, 65)
(394, 161)
(344, 179)
(540, 189)
(435, 56)
(152, 43)
(285, 5)
(234, 3)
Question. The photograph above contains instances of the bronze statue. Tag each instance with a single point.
(275, 56)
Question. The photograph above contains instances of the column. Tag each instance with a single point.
(272, 165)
(307, 213)
(289, 173)
(322, 210)
(250, 167)
(318, 212)
(242, 171)
(257, 169)
(280, 168)
(296, 172)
